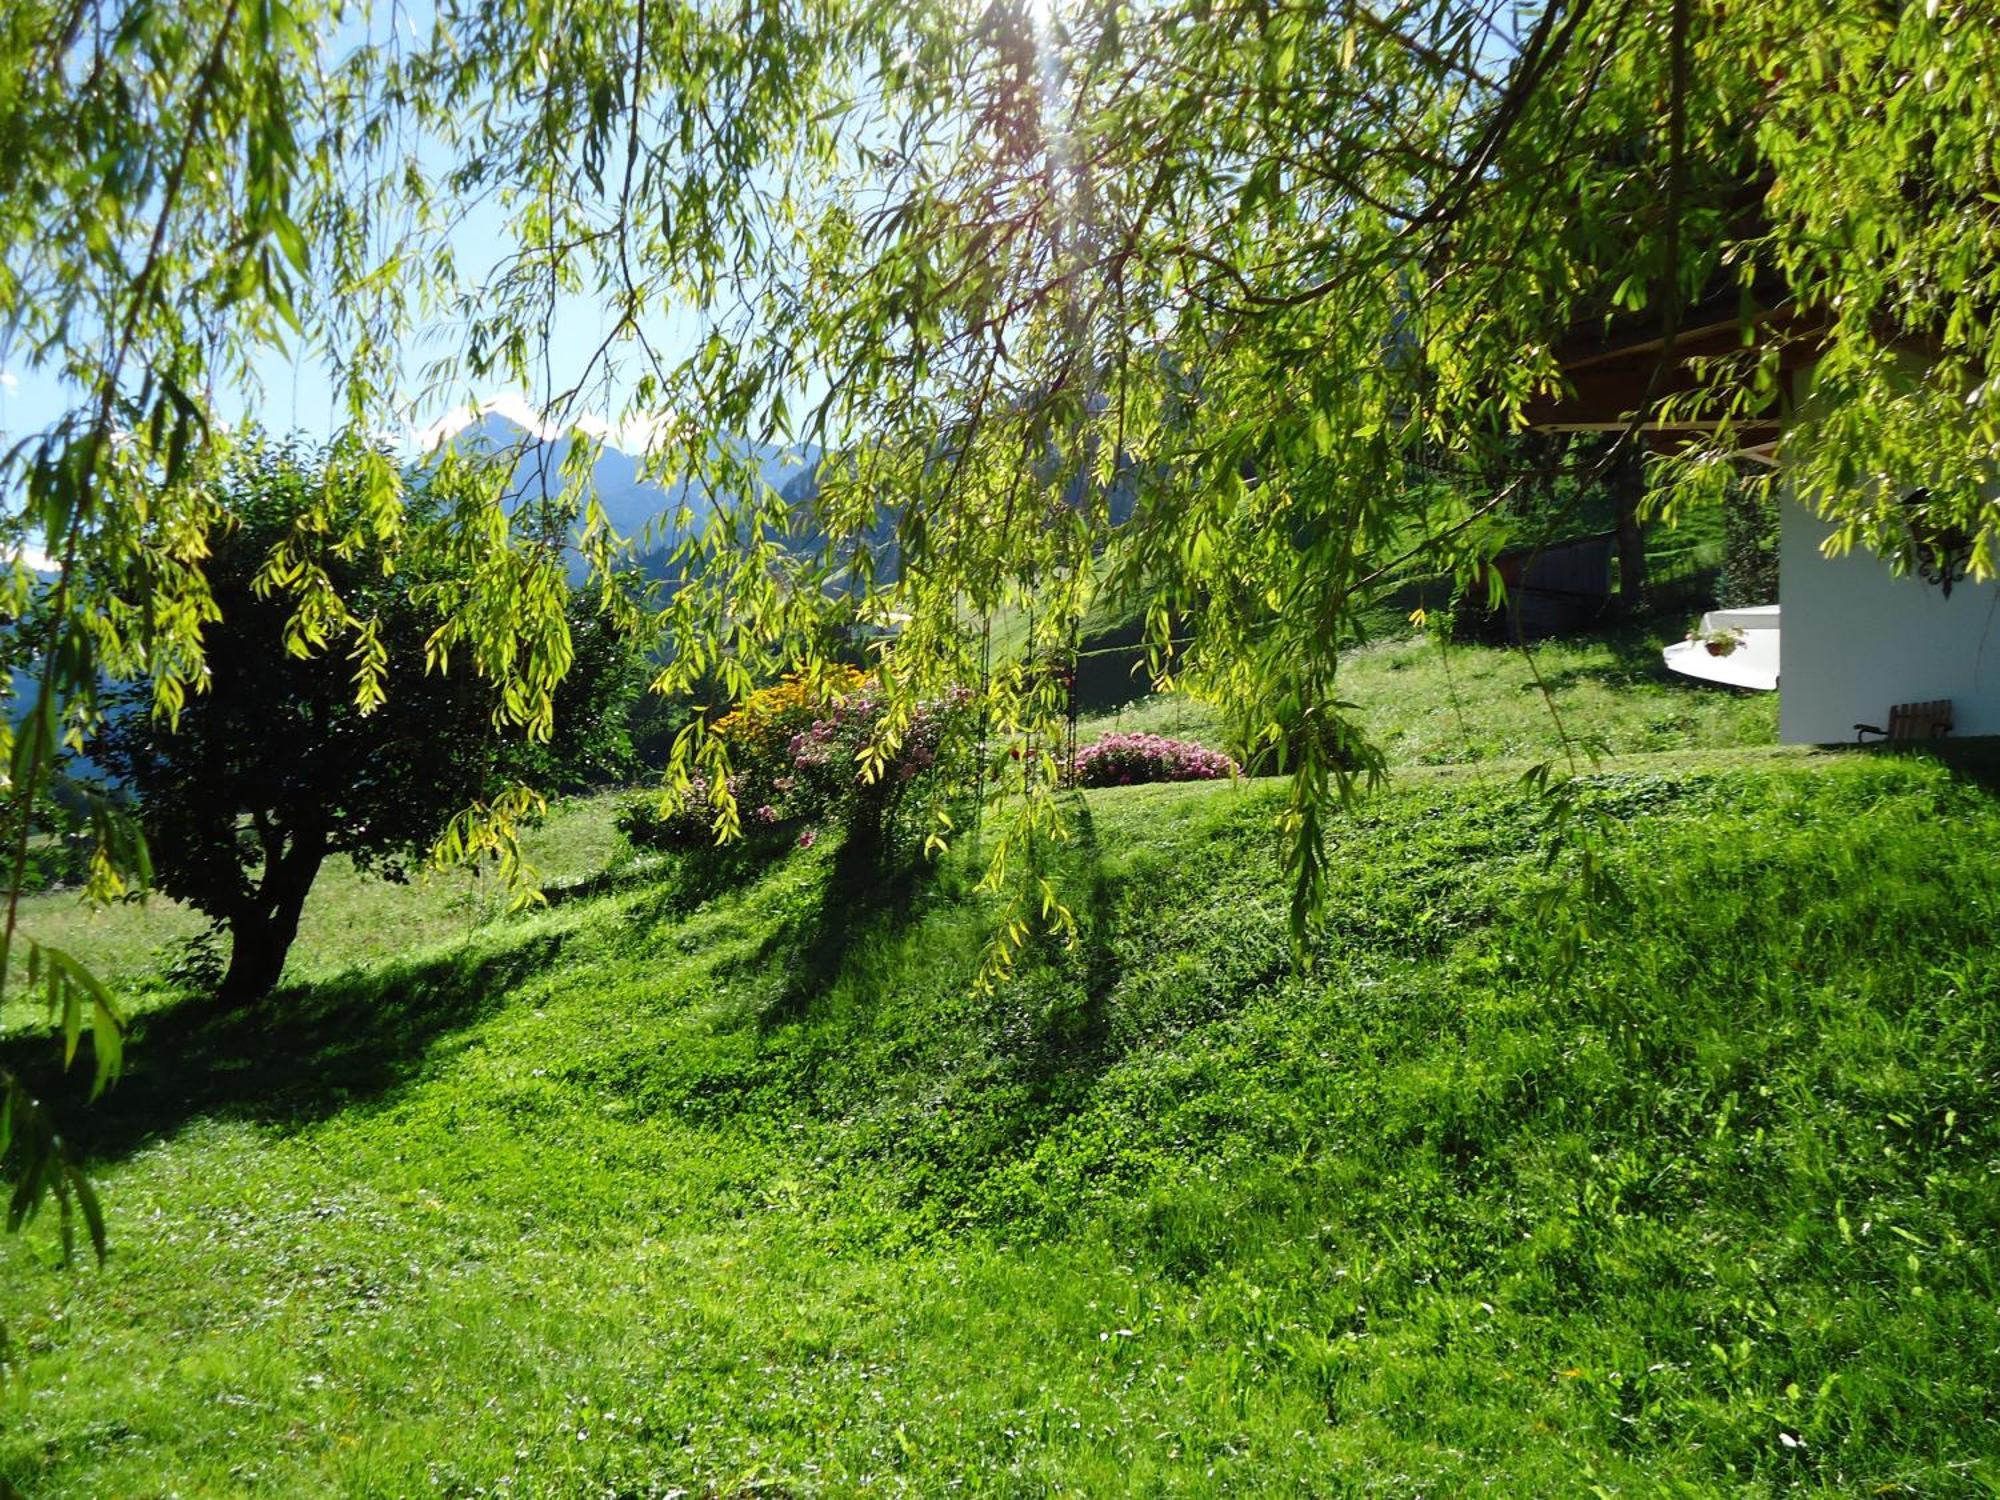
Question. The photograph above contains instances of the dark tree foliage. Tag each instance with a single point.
(274, 766)
(69, 817)
(1749, 548)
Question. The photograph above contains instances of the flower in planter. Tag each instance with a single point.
(1720, 642)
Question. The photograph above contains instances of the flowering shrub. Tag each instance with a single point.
(838, 740)
(760, 727)
(832, 774)
(799, 762)
(1129, 759)
(686, 824)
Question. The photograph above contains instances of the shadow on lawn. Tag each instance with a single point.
(877, 885)
(314, 1050)
(1635, 659)
(300, 1056)
(1078, 1039)
(1972, 759)
(873, 885)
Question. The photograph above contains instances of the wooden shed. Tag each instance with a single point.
(1552, 589)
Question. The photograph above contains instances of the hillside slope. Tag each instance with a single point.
(653, 1194)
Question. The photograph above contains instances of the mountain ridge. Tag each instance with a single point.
(639, 509)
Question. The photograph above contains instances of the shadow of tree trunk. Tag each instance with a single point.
(871, 884)
(301, 1056)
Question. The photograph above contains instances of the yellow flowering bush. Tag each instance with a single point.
(796, 754)
(761, 727)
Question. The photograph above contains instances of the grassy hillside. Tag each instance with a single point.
(1426, 704)
(746, 1192)
(352, 921)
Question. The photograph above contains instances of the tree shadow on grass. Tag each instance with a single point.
(1045, 1040)
(1078, 1042)
(879, 883)
(873, 885)
(1635, 660)
(301, 1056)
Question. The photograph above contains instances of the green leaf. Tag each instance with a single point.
(77, 984)
(93, 1212)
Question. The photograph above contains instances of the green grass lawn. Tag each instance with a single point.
(649, 1194)
(352, 921)
(1427, 704)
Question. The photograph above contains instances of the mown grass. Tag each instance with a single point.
(1429, 704)
(750, 1192)
(1425, 705)
(352, 920)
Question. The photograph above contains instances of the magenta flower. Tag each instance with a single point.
(1128, 759)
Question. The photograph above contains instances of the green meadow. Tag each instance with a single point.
(685, 1187)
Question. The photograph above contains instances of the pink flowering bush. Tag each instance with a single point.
(827, 780)
(1130, 759)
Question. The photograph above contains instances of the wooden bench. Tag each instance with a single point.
(1911, 721)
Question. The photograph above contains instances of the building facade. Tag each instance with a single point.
(1857, 639)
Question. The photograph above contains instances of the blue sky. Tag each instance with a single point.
(297, 395)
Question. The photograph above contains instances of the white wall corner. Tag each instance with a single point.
(1856, 640)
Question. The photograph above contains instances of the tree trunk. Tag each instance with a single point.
(1629, 484)
(262, 927)
(256, 958)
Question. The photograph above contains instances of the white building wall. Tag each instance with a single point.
(1855, 639)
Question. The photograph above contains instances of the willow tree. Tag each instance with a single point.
(1260, 269)
(1255, 266)
(194, 193)
(1255, 270)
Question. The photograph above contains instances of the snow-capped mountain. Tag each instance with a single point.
(639, 509)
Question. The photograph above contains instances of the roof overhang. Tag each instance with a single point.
(1626, 372)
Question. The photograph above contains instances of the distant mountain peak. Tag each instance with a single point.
(30, 554)
(634, 435)
(640, 508)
